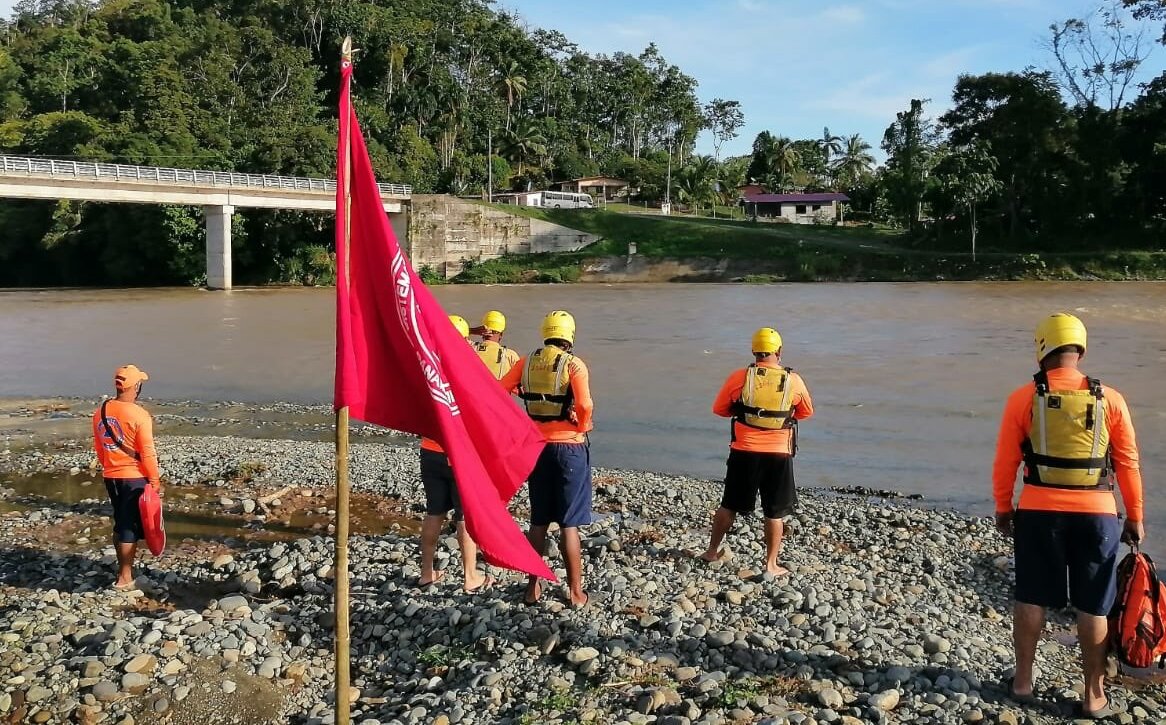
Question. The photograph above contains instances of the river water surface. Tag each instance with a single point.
(908, 379)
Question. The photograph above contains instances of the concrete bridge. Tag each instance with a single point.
(219, 193)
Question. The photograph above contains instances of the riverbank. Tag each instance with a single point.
(697, 249)
(893, 613)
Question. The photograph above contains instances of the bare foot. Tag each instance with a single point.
(124, 586)
(534, 591)
(578, 601)
(776, 570)
(437, 576)
(711, 557)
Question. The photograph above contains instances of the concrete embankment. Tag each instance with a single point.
(892, 614)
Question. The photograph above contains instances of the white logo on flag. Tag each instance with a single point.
(439, 388)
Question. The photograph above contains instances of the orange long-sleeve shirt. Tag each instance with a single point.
(562, 431)
(748, 438)
(135, 427)
(1123, 451)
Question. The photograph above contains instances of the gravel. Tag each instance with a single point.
(892, 614)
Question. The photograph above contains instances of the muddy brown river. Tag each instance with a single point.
(908, 379)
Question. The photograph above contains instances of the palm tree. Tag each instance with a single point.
(524, 141)
(830, 145)
(514, 85)
(694, 183)
(855, 162)
(782, 158)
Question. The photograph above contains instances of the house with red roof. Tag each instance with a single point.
(821, 208)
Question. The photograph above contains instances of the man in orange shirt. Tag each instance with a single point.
(123, 438)
(553, 384)
(441, 497)
(1070, 431)
(765, 401)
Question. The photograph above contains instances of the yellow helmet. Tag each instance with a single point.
(766, 340)
(494, 320)
(559, 325)
(460, 323)
(1057, 331)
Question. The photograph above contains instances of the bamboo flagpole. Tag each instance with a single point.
(340, 604)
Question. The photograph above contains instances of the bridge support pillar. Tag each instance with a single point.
(218, 246)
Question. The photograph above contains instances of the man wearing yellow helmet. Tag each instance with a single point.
(553, 385)
(765, 400)
(441, 497)
(498, 358)
(1070, 432)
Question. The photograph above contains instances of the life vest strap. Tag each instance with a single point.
(545, 397)
(1038, 459)
(763, 413)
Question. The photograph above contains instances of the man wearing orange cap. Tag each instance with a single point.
(123, 437)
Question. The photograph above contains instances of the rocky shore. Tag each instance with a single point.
(892, 614)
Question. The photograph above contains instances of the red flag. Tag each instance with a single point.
(401, 364)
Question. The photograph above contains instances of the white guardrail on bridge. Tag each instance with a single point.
(52, 168)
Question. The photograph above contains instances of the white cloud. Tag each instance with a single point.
(844, 14)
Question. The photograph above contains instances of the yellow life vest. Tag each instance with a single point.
(494, 355)
(546, 385)
(1068, 441)
(765, 398)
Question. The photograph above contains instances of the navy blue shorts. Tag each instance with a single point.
(770, 475)
(560, 486)
(1067, 558)
(440, 487)
(127, 517)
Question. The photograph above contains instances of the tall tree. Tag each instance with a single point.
(1098, 56)
(724, 120)
(830, 146)
(965, 177)
(910, 144)
(855, 162)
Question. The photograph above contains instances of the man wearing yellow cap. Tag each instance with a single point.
(441, 497)
(123, 437)
(1073, 436)
(498, 358)
(553, 384)
(764, 401)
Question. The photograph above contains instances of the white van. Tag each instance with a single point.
(567, 200)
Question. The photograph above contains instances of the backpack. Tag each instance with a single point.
(1137, 622)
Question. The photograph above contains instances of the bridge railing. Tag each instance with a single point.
(89, 170)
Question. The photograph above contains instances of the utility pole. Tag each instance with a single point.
(490, 165)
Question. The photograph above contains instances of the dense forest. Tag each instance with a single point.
(1069, 158)
(250, 85)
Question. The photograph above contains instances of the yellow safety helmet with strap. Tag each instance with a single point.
(559, 325)
(546, 384)
(1056, 331)
(766, 340)
(765, 398)
(1068, 440)
(461, 325)
(494, 321)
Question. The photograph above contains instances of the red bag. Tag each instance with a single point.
(150, 507)
(1137, 622)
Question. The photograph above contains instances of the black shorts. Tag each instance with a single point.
(127, 517)
(771, 474)
(1067, 558)
(440, 488)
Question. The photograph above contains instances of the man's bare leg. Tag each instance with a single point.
(430, 530)
(722, 521)
(537, 536)
(774, 531)
(572, 551)
(1092, 632)
(125, 562)
(1027, 622)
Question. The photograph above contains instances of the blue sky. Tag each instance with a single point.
(798, 65)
